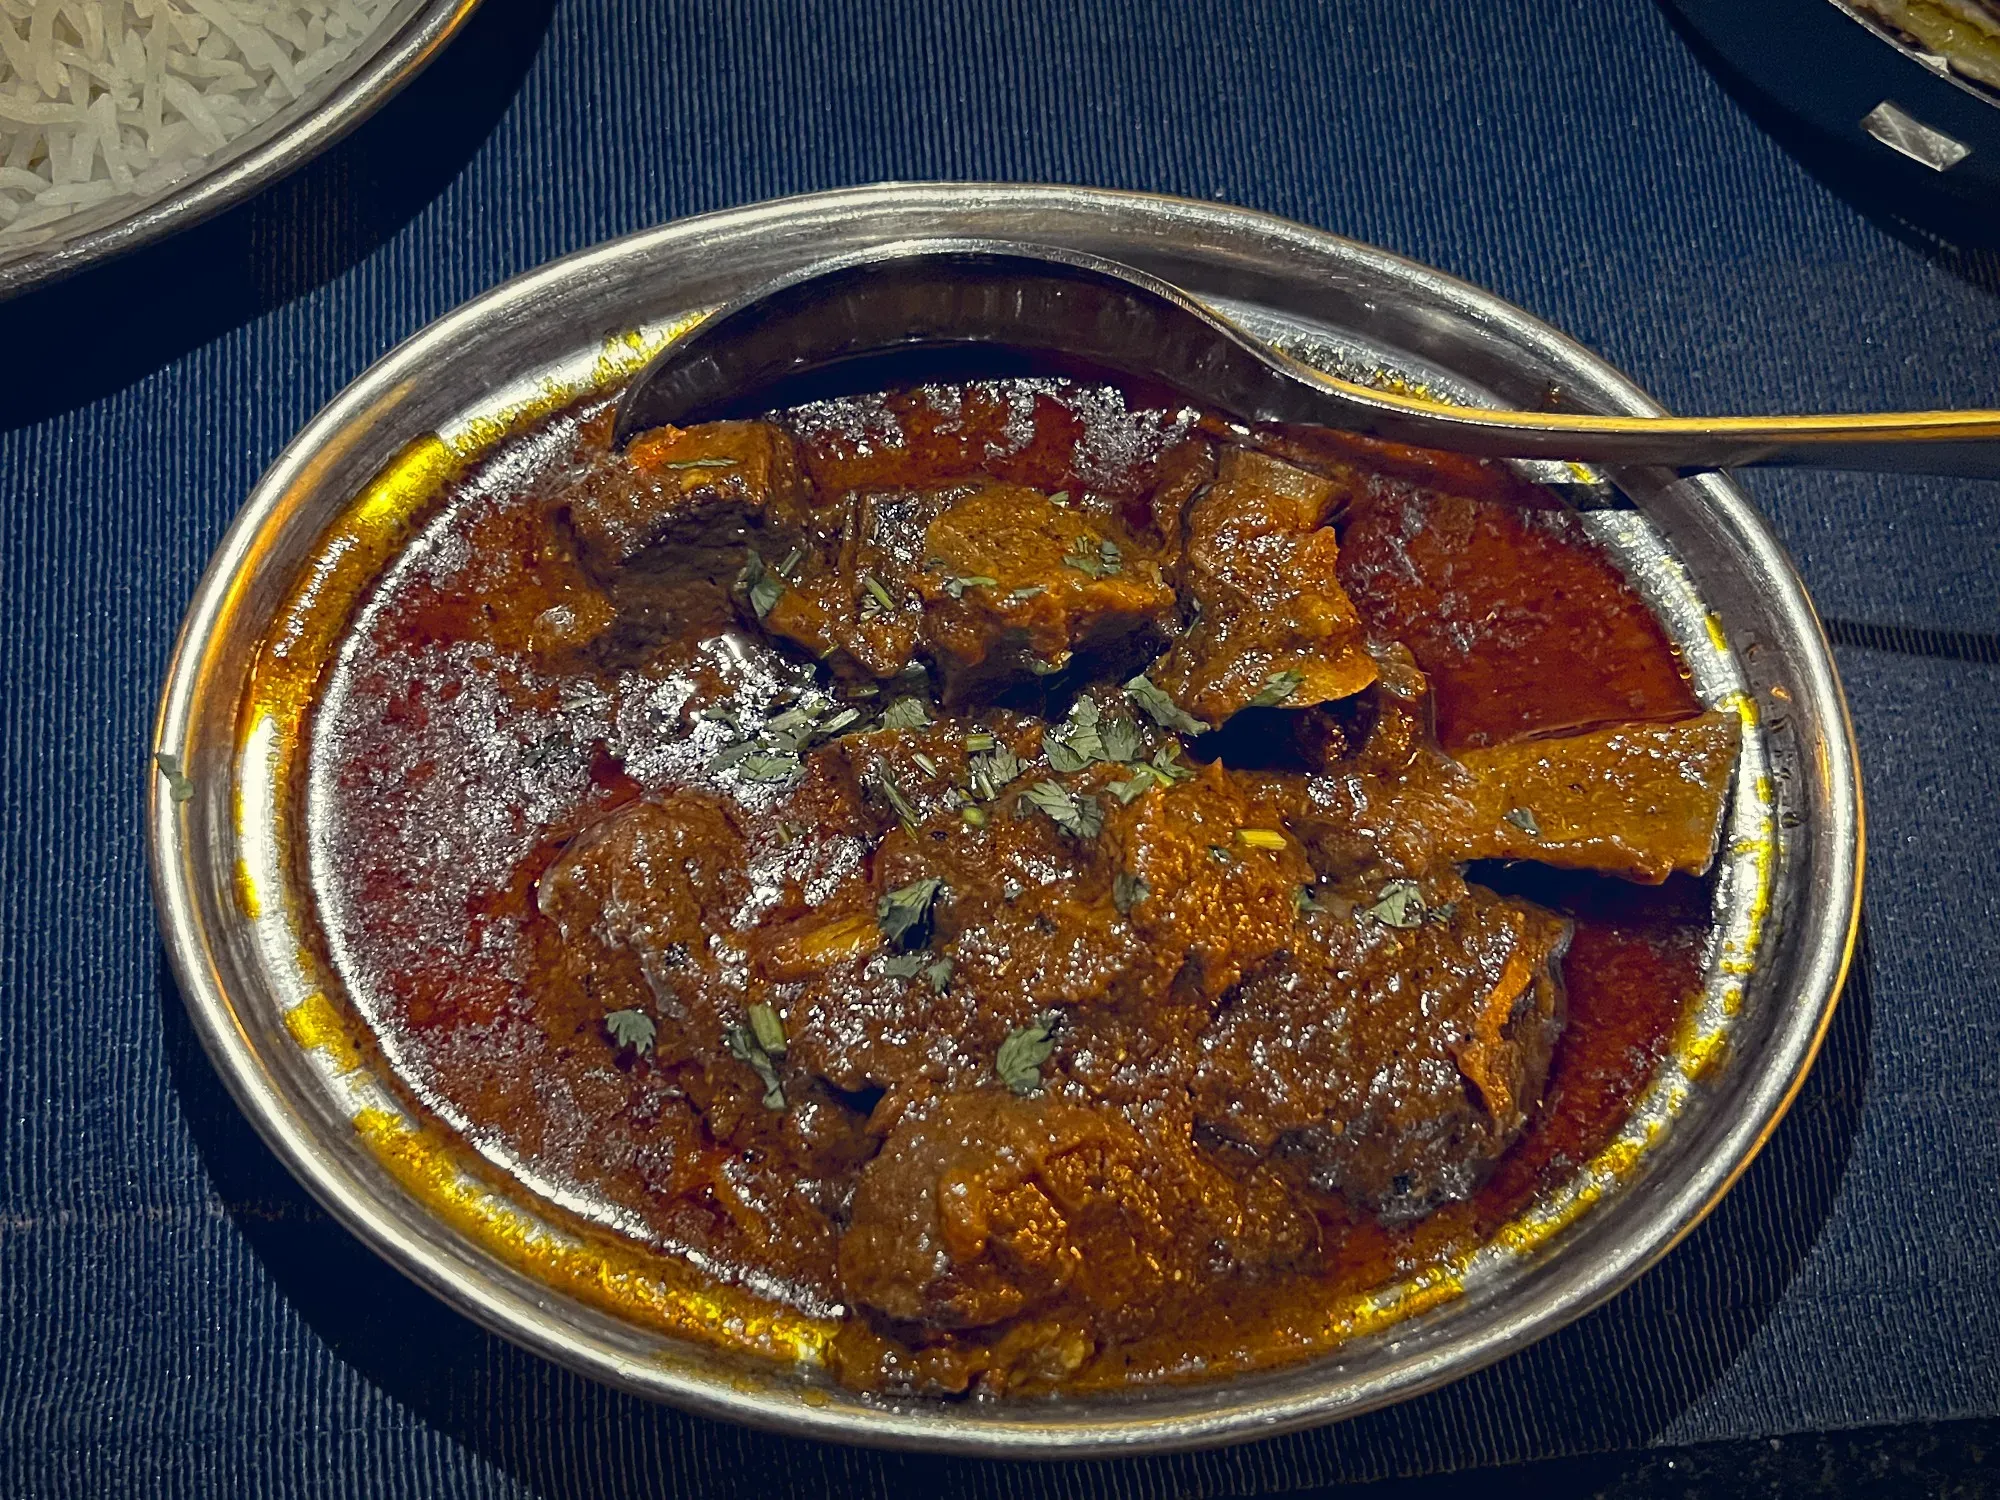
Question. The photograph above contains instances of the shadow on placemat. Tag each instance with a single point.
(119, 322)
(1614, 1379)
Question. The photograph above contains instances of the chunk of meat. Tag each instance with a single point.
(1273, 624)
(686, 500)
(1016, 586)
(1396, 1062)
(1638, 800)
(985, 1207)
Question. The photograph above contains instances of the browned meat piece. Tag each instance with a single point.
(687, 499)
(1014, 585)
(1274, 626)
(985, 1207)
(1638, 800)
(1399, 1061)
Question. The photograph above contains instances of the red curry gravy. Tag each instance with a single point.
(684, 991)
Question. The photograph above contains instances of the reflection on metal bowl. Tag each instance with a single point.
(237, 908)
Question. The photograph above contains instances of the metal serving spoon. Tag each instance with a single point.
(963, 307)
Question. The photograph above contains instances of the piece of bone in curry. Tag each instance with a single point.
(1258, 565)
(1638, 800)
(688, 496)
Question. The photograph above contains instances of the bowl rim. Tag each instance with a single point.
(242, 168)
(1530, 1312)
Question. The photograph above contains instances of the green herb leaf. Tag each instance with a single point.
(767, 1028)
(1109, 559)
(905, 965)
(879, 599)
(731, 755)
(1060, 498)
(631, 1028)
(904, 914)
(1119, 737)
(844, 719)
(1127, 792)
(1077, 742)
(179, 788)
(893, 794)
(1074, 813)
(745, 1048)
(1401, 904)
(1161, 709)
(939, 974)
(788, 569)
(1277, 688)
(762, 767)
(763, 587)
(956, 587)
(1524, 820)
(700, 463)
(1022, 596)
(1167, 765)
(1084, 555)
(1022, 1054)
(989, 772)
(905, 713)
(1127, 891)
(924, 763)
(1304, 900)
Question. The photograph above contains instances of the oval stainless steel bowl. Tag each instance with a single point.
(233, 913)
(394, 53)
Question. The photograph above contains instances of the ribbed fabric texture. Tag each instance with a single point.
(178, 1319)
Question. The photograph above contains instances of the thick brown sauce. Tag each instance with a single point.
(467, 743)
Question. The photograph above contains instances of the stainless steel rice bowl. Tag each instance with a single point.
(237, 916)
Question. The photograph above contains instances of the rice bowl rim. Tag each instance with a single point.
(400, 48)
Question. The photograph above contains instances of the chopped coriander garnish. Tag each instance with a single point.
(1401, 904)
(1094, 558)
(1524, 820)
(893, 794)
(631, 1028)
(929, 766)
(769, 768)
(700, 463)
(763, 587)
(878, 597)
(839, 721)
(792, 559)
(1076, 743)
(904, 914)
(745, 1048)
(731, 755)
(905, 713)
(1022, 1054)
(179, 788)
(1161, 709)
(1023, 595)
(767, 1028)
(1277, 688)
(991, 771)
(1127, 891)
(1303, 900)
(956, 587)
(1166, 763)
(1074, 813)
(1119, 737)
(939, 974)
(1060, 498)
(1260, 838)
(1137, 786)
(905, 965)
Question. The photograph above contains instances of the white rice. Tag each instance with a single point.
(113, 99)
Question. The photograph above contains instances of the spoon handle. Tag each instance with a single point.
(1965, 443)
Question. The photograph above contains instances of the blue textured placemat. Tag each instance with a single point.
(177, 1318)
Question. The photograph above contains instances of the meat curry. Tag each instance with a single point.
(1054, 882)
